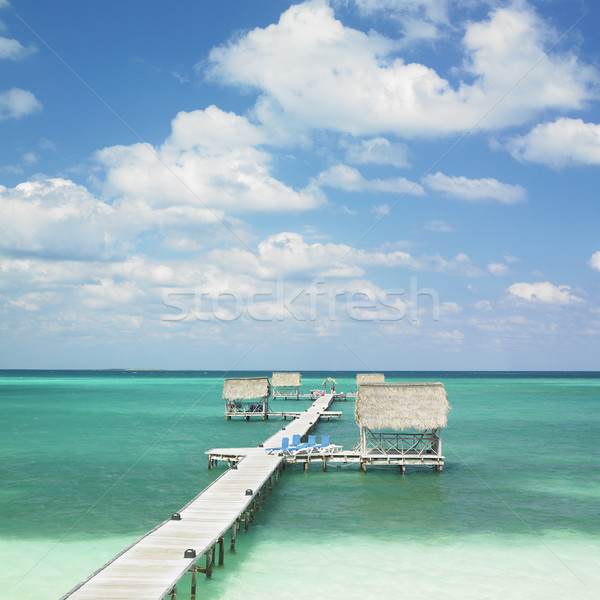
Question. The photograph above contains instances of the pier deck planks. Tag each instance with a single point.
(150, 567)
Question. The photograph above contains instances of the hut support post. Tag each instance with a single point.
(209, 563)
(221, 551)
(233, 531)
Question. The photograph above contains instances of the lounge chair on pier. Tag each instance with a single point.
(285, 443)
(304, 448)
(325, 447)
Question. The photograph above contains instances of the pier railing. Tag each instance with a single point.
(423, 443)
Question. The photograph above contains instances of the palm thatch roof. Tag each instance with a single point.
(247, 388)
(402, 406)
(286, 380)
(362, 378)
(330, 380)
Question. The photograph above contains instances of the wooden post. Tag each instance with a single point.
(173, 593)
(270, 484)
(264, 493)
(209, 561)
(306, 465)
(193, 590)
(221, 551)
(209, 463)
(246, 520)
(235, 527)
(324, 464)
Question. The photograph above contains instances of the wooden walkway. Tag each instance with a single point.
(151, 567)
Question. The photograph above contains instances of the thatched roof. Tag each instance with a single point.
(286, 380)
(362, 378)
(247, 388)
(401, 406)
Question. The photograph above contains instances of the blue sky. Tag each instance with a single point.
(353, 184)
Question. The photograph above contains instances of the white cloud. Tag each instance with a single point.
(498, 269)
(288, 254)
(484, 305)
(208, 164)
(455, 336)
(13, 50)
(461, 264)
(439, 226)
(475, 190)
(564, 142)
(509, 258)
(544, 292)
(30, 158)
(349, 179)
(378, 150)
(55, 218)
(16, 103)
(594, 261)
(381, 210)
(107, 293)
(313, 71)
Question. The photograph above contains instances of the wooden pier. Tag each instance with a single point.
(151, 567)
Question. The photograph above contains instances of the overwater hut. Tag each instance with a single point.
(286, 385)
(333, 383)
(246, 397)
(401, 423)
(363, 378)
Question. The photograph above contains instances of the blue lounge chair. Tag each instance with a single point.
(285, 442)
(325, 446)
(306, 447)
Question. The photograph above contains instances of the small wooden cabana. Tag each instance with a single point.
(420, 407)
(333, 383)
(364, 378)
(286, 385)
(246, 397)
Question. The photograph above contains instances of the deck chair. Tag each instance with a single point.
(306, 447)
(325, 447)
(285, 442)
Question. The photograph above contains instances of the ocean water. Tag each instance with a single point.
(90, 461)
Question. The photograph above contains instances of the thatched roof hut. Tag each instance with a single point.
(402, 406)
(286, 380)
(364, 378)
(247, 388)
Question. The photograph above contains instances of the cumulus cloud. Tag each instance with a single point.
(475, 190)
(209, 163)
(14, 50)
(16, 103)
(544, 292)
(594, 261)
(54, 218)
(349, 179)
(288, 254)
(562, 143)
(378, 150)
(498, 269)
(313, 71)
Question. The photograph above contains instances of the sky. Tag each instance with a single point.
(344, 184)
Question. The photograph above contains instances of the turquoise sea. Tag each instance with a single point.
(91, 460)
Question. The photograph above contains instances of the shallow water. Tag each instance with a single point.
(92, 460)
